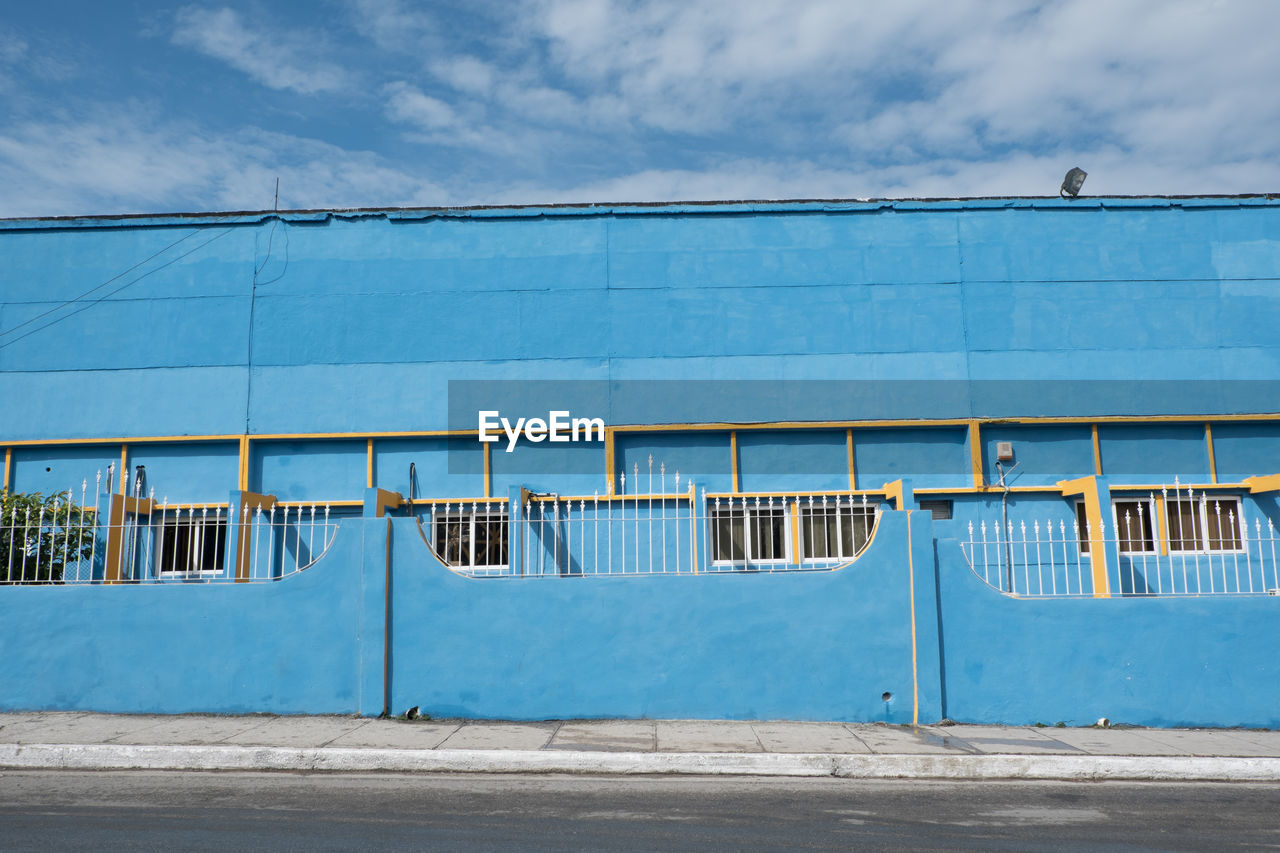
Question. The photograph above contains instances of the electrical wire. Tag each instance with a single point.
(76, 299)
(111, 293)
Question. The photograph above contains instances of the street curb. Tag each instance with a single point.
(337, 759)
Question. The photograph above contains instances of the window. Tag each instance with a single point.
(1192, 525)
(190, 544)
(939, 510)
(834, 530)
(474, 540)
(1204, 524)
(1133, 526)
(1130, 525)
(749, 533)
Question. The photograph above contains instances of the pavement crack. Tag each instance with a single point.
(363, 723)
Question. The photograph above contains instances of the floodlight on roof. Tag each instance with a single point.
(1072, 183)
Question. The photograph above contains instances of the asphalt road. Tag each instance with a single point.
(63, 810)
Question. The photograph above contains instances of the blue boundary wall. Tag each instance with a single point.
(807, 645)
(290, 647)
(336, 639)
(1200, 661)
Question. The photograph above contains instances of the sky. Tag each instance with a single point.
(123, 106)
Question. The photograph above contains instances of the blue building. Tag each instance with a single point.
(1002, 460)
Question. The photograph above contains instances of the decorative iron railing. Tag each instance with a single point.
(57, 541)
(680, 531)
(1176, 542)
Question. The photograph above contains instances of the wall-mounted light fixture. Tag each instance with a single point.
(1072, 183)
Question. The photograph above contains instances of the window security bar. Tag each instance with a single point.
(1177, 543)
(660, 530)
(59, 541)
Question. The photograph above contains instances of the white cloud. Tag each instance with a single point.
(407, 104)
(12, 48)
(392, 25)
(916, 80)
(275, 59)
(1111, 172)
(123, 162)
(466, 74)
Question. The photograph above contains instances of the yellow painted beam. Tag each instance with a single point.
(693, 530)
(609, 473)
(1097, 452)
(8, 463)
(118, 439)
(893, 491)
(1087, 488)
(975, 454)
(733, 450)
(1258, 485)
(124, 469)
(795, 533)
(488, 475)
(252, 503)
(848, 449)
(794, 493)
(121, 507)
(242, 477)
(1213, 463)
(385, 500)
(1162, 527)
(911, 589)
(368, 451)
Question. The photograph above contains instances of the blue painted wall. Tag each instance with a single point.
(1148, 661)
(358, 323)
(290, 647)
(812, 645)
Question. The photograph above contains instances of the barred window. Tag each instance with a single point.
(190, 544)
(473, 539)
(1205, 525)
(747, 533)
(834, 530)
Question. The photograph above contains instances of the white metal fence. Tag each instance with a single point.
(1181, 542)
(57, 541)
(680, 531)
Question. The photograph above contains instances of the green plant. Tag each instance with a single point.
(41, 535)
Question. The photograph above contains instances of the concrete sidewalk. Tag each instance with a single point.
(200, 742)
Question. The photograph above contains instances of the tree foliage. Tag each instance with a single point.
(40, 536)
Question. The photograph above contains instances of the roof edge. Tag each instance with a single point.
(638, 208)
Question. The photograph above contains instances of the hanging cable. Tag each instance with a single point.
(111, 293)
(73, 300)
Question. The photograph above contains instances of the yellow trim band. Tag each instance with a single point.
(915, 671)
(674, 427)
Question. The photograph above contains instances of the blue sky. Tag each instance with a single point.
(121, 106)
